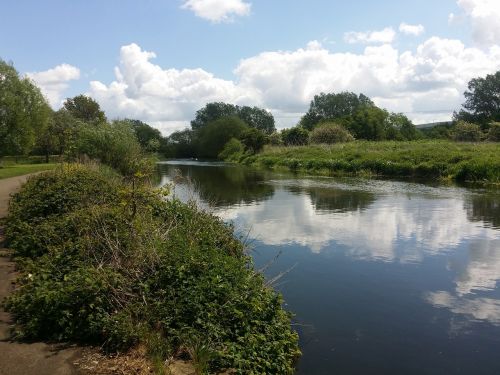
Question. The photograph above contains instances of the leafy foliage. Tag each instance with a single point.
(128, 267)
(330, 133)
(295, 136)
(85, 109)
(24, 112)
(467, 132)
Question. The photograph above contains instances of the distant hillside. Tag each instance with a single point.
(433, 124)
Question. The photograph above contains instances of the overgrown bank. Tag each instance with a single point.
(474, 162)
(107, 262)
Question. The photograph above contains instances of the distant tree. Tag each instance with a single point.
(330, 133)
(180, 144)
(86, 109)
(494, 132)
(333, 107)
(275, 139)
(370, 123)
(253, 116)
(402, 127)
(296, 136)
(482, 101)
(210, 139)
(24, 112)
(146, 134)
(467, 132)
(252, 139)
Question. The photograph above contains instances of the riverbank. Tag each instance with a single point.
(111, 263)
(464, 162)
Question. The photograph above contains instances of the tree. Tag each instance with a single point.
(370, 123)
(254, 117)
(482, 101)
(24, 112)
(146, 134)
(467, 132)
(210, 139)
(180, 144)
(403, 127)
(86, 109)
(253, 139)
(330, 133)
(333, 107)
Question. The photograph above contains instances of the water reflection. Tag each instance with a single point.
(388, 273)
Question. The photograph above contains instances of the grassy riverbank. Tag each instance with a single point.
(111, 263)
(419, 159)
(13, 170)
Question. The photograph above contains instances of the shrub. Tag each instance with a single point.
(95, 270)
(467, 132)
(330, 133)
(232, 151)
(296, 136)
(494, 132)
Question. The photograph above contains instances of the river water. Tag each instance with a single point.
(383, 277)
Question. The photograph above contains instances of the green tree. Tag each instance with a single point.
(333, 107)
(24, 112)
(370, 123)
(146, 134)
(86, 109)
(482, 101)
(180, 144)
(253, 139)
(402, 127)
(211, 139)
(254, 117)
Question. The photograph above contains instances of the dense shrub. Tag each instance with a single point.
(232, 151)
(296, 136)
(115, 265)
(494, 132)
(330, 133)
(467, 132)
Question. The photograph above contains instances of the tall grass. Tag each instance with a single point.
(475, 162)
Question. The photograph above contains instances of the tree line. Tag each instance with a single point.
(28, 126)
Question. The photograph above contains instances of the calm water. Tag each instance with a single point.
(383, 277)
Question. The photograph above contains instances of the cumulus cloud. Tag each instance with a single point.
(408, 29)
(218, 10)
(54, 82)
(484, 16)
(426, 83)
(386, 35)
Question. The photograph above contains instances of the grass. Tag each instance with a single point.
(13, 170)
(445, 160)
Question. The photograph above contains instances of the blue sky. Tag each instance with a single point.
(306, 40)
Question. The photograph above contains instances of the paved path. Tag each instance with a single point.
(18, 358)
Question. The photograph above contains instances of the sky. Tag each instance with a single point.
(161, 60)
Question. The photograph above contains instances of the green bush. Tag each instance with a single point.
(494, 132)
(467, 132)
(117, 265)
(330, 133)
(232, 151)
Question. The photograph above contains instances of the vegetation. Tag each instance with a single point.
(330, 133)
(115, 264)
(13, 170)
(420, 159)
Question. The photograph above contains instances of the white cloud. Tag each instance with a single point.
(386, 35)
(408, 29)
(218, 10)
(484, 16)
(54, 82)
(426, 84)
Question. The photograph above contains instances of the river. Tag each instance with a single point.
(383, 277)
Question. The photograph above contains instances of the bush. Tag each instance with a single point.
(115, 265)
(296, 136)
(467, 132)
(330, 133)
(232, 151)
(494, 132)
